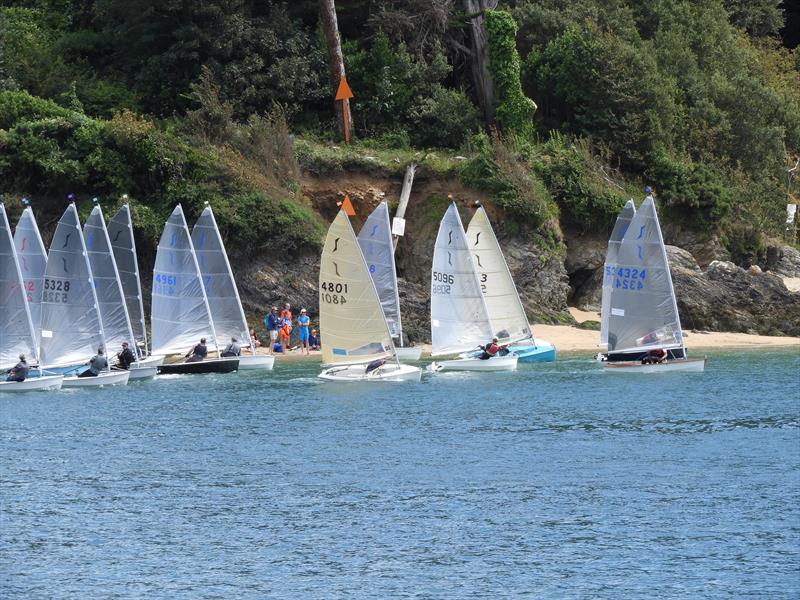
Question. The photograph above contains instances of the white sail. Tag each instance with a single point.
(111, 300)
(16, 327)
(609, 268)
(32, 257)
(506, 313)
(179, 314)
(643, 313)
(220, 286)
(351, 319)
(375, 239)
(72, 329)
(459, 318)
(120, 233)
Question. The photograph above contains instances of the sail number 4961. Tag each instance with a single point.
(333, 293)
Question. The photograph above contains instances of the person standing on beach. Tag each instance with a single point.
(286, 326)
(303, 321)
(272, 323)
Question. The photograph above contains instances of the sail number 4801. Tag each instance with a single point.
(333, 293)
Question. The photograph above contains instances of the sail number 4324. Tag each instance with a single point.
(333, 293)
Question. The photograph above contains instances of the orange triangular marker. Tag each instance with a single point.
(344, 92)
(347, 207)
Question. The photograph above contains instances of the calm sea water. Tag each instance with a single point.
(555, 481)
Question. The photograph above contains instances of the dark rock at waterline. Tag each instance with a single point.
(783, 260)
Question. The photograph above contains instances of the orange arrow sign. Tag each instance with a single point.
(344, 92)
(347, 207)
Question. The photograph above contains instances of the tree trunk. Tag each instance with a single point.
(405, 194)
(335, 61)
(484, 89)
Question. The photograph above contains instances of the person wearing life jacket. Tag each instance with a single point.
(198, 353)
(489, 350)
(19, 371)
(655, 357)
(126, 357)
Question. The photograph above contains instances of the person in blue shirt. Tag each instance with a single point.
(273, 323)
(303, 321)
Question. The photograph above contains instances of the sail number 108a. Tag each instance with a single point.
(333, 293)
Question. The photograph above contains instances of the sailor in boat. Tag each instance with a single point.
(655, 357)
(489, 350)
(232, 349)
(19, 371)
(374, 365)
(96, 365)
(125, 358)
(198, 353)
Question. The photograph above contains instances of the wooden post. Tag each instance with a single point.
(405, 194)
(336, 72)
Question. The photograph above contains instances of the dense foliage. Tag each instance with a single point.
(194, 100)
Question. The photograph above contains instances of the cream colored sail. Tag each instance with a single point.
(506, 313)
(352, 323)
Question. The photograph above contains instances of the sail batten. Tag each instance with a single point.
(17, 333)
(72, 327)
(506, 313)
(352, 321)
(120, 232)
(180, 313)
(220, 287)
(375, 240)
(111, 300)
(32, 256)
(642, 309)
(459, 317)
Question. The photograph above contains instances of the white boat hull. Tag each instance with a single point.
(496, 363)
(105, 378)
(408, 353)
(32, 384)
(690, 365)
(140, 373)
(388, 372)
(256, 362)
(150, 361)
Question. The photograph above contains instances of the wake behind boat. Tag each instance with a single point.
(358, 343)
(641, 326)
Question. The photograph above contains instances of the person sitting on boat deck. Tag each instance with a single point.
(489, 350)
(19, 371)
(254, 339)
(97, 364)
(198, 353)
(303, 322)
(125, 357)
(313, 340)
(272, 323)
(232, 349)
(374, 365)
(655, 357)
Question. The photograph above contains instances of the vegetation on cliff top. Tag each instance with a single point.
(194, 102)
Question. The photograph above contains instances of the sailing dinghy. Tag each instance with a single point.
(222, 293)
(459, 317)
(358, 343)
(32, 257)
(110, 297)
(180, 314)
(72, 328)
(17, 334)
(375, 240)
(120, 234)
(640, 299)
(506, 313)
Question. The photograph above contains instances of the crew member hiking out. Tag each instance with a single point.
(96, 365)
(489, 350)
(198, 353)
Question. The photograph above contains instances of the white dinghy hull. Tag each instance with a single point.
(688, 365)
(142, 373)
(106, 378)
(46, 382)
(390, 372)
(496, 363)
(408, 353)
(256, 362)
(150, 361)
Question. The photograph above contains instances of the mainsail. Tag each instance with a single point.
(352, 323)
(72, 329)
(643, 313)
(120, 232)
(375, 239)
(32, 257)
(113, 309)
(459, 318)
(16, 327)
(506, 313)
(609, 268)
(180, 315)
(220, 287)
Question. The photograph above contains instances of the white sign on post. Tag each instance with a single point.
(398, 226)
(791, 211)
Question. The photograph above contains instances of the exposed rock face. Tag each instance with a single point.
(783, 260)
(705, 248)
